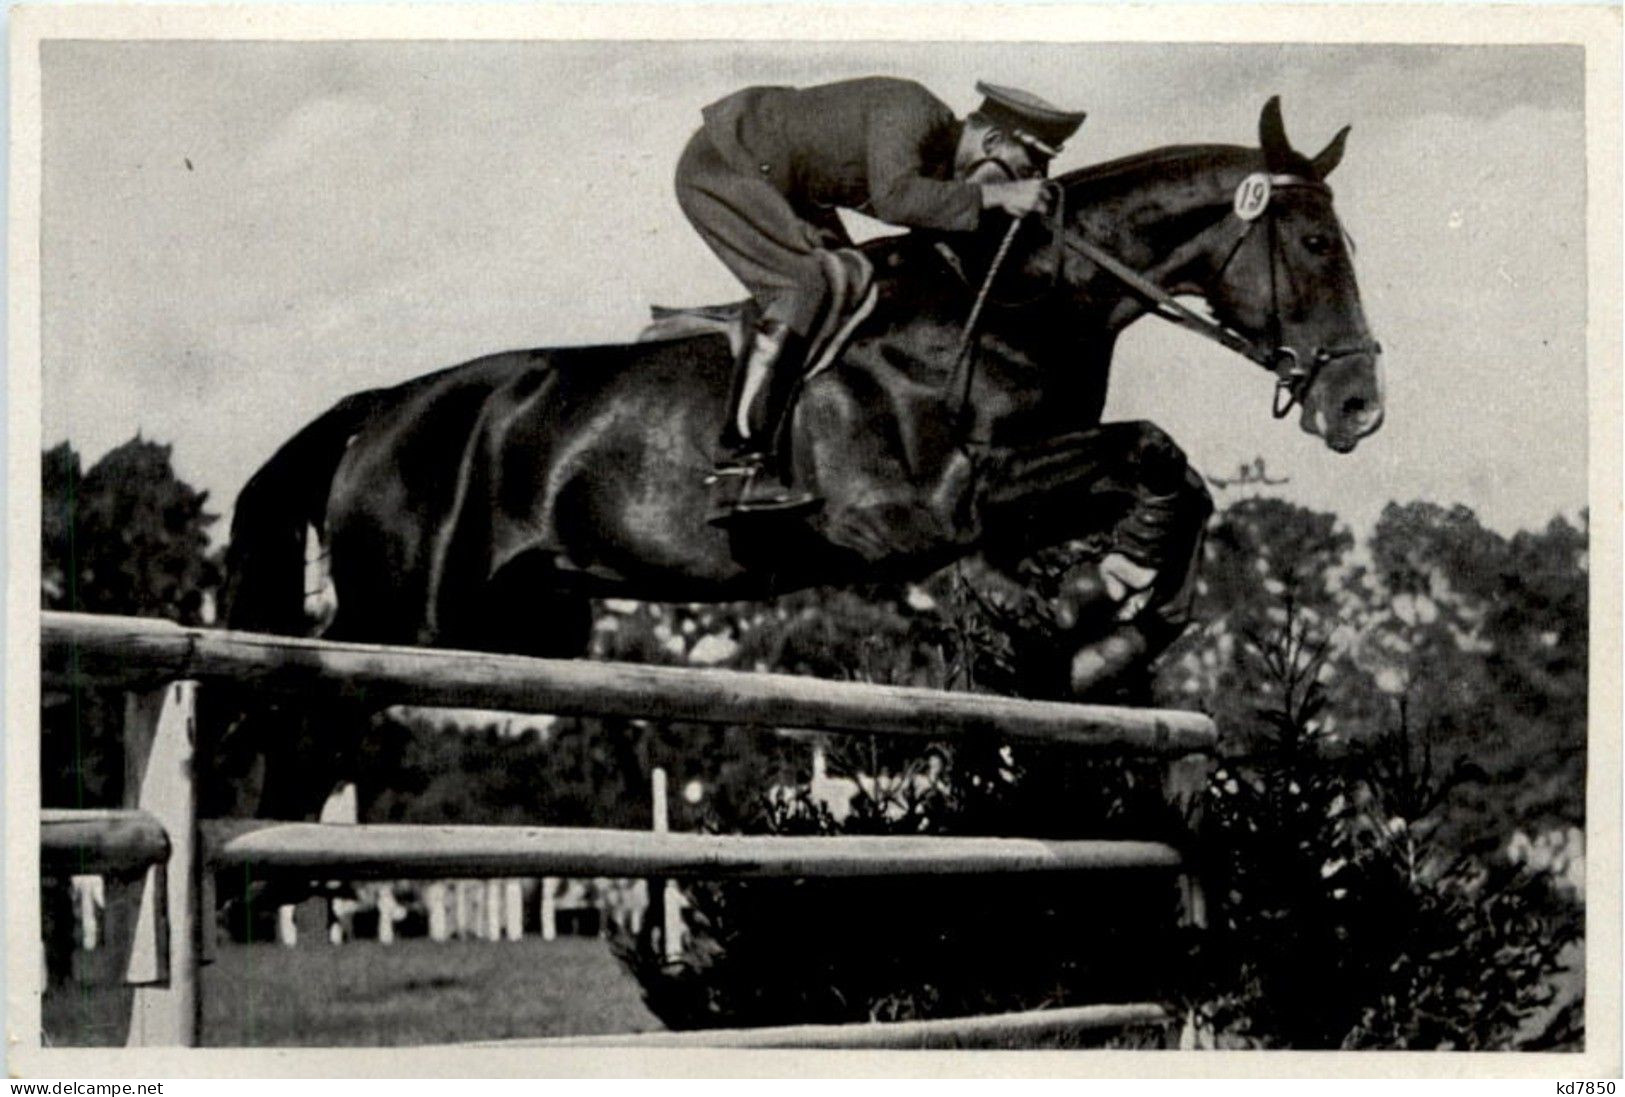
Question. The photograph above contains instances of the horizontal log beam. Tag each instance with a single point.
(121, 650)
(401, 851)
(1000, 1030)
(89, 843)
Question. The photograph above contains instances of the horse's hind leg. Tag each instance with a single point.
(521, 611)
(300, 750)
(283, 758)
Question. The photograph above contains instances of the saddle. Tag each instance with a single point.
(852, 296)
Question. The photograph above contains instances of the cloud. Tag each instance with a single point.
(318, 132)
(363, 212)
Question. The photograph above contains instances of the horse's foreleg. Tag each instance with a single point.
(1132, 483)
(1168, 605)
(1128, 478)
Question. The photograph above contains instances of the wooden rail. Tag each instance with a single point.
(92, 842)
(997, 1030)
(134, 651)
(398, 851)
(161, 918)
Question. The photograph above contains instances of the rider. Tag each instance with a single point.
(761, 181)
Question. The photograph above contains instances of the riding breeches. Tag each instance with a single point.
(757, 234)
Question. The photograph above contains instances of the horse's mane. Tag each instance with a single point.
(1115, 175)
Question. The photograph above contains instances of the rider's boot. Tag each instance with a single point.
(747, 481)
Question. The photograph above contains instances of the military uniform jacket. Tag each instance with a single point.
(882, 146)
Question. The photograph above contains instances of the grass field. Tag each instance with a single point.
(418, 992)
(412, 992)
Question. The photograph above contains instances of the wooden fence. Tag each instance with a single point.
(159, 925)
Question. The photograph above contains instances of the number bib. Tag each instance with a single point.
(1253, 196)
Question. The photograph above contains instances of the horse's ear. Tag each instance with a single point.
(1278, 153)
(1330, 156)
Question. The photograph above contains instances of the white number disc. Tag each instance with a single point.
(1253, 196)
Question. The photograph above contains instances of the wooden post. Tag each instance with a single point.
(89, 897)
(434, 898)
(287, 926)
(388, 908)
(654, 918)
(464, 919)
(662, 811)
(341, 808)
(664, 900)
(550, 924)
(1184, 782)
(309, 921)
(208, 923)
(513, 910)
(493, 910)
(159, 734)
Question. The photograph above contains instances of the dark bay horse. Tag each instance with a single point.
(482, 506)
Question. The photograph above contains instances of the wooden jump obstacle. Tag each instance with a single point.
(158, 841)
(998, 1030)
(428, 852)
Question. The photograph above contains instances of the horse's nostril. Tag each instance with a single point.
(1354, 405)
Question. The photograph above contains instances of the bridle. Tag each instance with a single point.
(1293, 375)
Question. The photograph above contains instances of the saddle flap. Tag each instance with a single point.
(851, 278)
(730, 320)
(721, 314)
(734, 321)
(852, 295)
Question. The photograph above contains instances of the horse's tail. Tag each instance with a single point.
(265, 562)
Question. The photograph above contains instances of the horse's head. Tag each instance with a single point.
(1287, 283)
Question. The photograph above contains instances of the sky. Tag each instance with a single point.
(237, 234)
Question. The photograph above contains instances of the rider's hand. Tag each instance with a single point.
(1018, 198)
(1127, 583)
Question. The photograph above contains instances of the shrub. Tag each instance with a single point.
(902, 948)
(1333, 917)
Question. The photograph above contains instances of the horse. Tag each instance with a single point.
(483, 506)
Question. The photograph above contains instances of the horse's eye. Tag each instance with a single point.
(1317, 244)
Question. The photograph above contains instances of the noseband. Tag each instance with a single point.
(1293, 375)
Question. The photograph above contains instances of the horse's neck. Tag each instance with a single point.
(1160, 224)
(1046, 366)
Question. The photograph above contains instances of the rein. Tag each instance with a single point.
(1293, 376)
(963, 371)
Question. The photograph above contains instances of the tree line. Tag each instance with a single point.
(1393, 709)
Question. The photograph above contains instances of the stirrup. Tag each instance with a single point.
(732, 465)
(742, 488)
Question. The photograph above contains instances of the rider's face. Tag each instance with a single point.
(1019, 158)
(988, 154)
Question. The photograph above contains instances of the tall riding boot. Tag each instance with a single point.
(748, 480)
